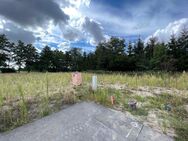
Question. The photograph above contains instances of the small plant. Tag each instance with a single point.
(1, 99)
(139, 112)
(139, 98)
(23, 106)
(6, 119)
(69, 97)
(45, 110)
(182, 133)
(101, 96)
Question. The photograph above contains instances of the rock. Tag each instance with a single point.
(132, 104)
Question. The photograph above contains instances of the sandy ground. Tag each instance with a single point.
(147, 91)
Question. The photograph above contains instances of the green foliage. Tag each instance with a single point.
(139, 112)
(31, 57)
(5, 50)
(182, 132)
(19, 51)
(46, 58)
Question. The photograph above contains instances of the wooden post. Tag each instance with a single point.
(112, 100)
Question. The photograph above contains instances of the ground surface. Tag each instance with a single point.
(85, 122)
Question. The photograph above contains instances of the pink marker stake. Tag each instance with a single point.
(76, 79)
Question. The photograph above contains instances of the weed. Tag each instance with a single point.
(23, 107)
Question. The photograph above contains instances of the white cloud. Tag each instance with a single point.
(1, 24)
(53, 36)
(81, 27)
(61, 35)
(79, 3)
(64, 46)
(78, 28)
(113, 23)
(163, 35)
(136, 18)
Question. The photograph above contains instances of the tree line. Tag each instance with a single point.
(112, 55)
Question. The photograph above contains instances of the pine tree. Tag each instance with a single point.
(130, 49)
(150, 47)
(5, 49)
(173, 47)
(31, 57)
(183, 50)
(19, 54)
(183, 42)
(139, 48)
(46, 58)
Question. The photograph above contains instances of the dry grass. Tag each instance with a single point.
(28, 96)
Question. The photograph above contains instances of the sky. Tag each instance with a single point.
(64, 24)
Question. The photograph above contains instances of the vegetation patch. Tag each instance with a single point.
(25, 97)
(150, 109)
(23, 110)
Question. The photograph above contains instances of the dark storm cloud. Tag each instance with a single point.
(72, 35)
(94, 29)
(19, 34)
(15, 33)
(32, 12)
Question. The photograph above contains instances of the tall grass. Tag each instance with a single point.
(23, 106)
(160, 79)
(33, 84)
(25, 94)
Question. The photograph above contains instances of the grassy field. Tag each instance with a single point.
(25, 97)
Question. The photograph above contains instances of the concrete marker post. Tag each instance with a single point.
(94, 83)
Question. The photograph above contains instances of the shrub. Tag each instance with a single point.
(8, 70)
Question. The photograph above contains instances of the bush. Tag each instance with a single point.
(8, 70)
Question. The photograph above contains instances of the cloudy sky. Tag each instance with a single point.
(63, 24)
